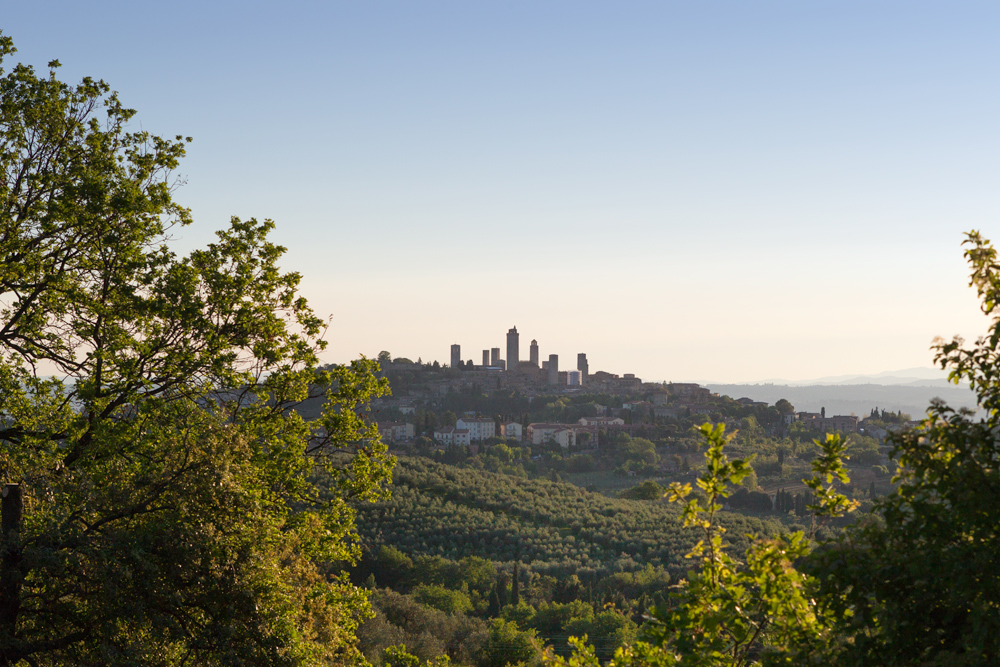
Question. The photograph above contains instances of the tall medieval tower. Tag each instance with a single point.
(513, 350)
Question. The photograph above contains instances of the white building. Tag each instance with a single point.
(564, 434)
(602, 421)
(513, 431)
(479, 428)
(449, 435)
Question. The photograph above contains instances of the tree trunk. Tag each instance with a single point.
(11, 508)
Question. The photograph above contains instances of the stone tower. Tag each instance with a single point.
(513, 350)
(534, 352)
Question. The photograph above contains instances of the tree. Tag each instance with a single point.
(927, 574)
(648, 490)
(398, 656)
(915, 583)
(440, 597)
(164, 502)
(728, 612)
(494, 606)
(784, 407)
(608, 630)
(503, 593)
(507, 645)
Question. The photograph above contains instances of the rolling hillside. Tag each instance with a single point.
(556, 528)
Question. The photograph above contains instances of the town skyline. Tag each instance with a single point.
(491, 358)
(726, 194)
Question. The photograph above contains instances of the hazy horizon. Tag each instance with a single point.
(682, 191)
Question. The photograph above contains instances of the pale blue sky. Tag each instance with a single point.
(712, 190)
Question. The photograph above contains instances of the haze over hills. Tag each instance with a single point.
(920, 376)
(910, 390)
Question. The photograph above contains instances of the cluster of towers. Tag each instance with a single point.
(513, 364)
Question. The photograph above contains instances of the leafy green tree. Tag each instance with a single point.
(392, 566)
(609, 630)
(439, 597)
(732, 613)
(427, 633)
(434, 570)
(398, 656)
(552, 619)
(478, 573)
(639, 449)
(648, 490)
(863, 449)
(508, 645)
(521, 613)
(164, 502)
(581, 463)
(922, 585)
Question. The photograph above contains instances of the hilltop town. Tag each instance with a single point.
(509, 399)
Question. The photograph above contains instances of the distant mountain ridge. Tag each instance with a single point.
(921, 376)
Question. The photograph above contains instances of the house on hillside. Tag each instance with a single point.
(563, 434)
(449, 435)
(479, 428)
(689, 390)
(602, 421)
(512, 430)
(820, 422)
(396, 431)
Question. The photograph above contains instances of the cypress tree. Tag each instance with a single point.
(501, 590)
(515, 587)
(493, 609)
(801, 501)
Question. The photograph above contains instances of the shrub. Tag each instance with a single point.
(648, 490)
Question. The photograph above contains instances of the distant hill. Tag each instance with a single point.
(859, 399)
(918, 376)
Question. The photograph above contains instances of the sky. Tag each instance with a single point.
(711, 191)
